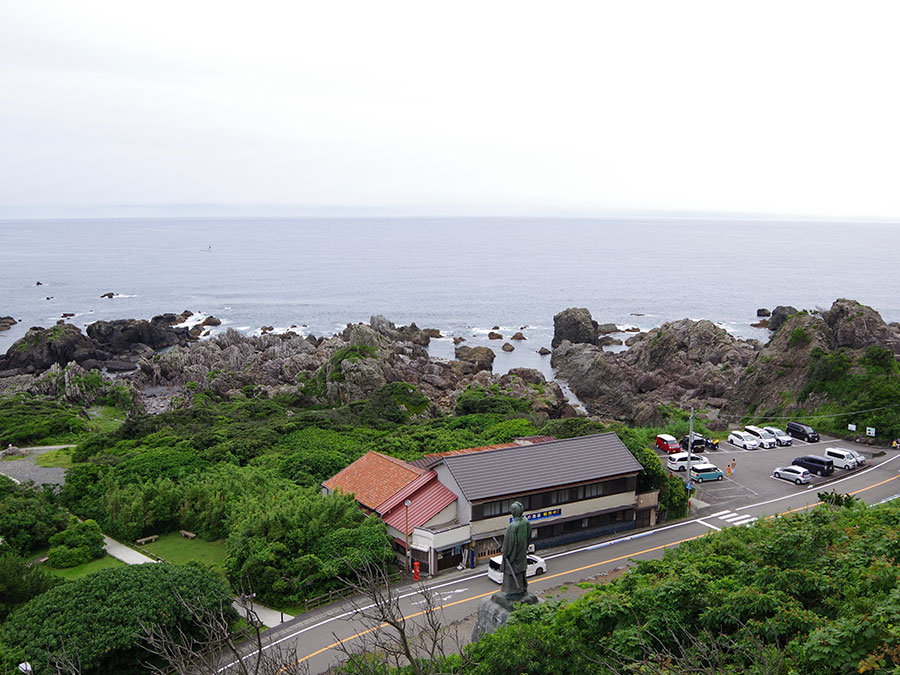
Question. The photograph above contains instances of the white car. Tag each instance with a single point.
(781, 438)
(795, 474)
(763, 437)
(861, 459)
(743, 439)
(536, 566)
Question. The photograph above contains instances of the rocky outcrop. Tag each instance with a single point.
(574, 325)
(6, 322)
(125, 335)
(855, 326)
(779, 315)
(683, 362)
(479, 358)
(40, 348)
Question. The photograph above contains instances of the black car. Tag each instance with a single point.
(815, 464)
(700, 444)
(802, 431)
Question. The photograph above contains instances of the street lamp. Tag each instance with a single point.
(408, 552)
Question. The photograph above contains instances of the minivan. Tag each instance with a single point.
(679, 461)
(843, 459)
(815, 464)
(802, 431)
(766, 440)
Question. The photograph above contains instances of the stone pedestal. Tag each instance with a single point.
(494, 612)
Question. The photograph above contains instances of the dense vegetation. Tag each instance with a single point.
(869, 382)
(812, 593)
(95, 622)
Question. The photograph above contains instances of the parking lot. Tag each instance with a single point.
(752, 479)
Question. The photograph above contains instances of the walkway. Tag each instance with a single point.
(24, 470)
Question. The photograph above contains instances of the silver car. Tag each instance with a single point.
(781, 438)
(795, 474)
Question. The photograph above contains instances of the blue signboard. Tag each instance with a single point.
(539, 515)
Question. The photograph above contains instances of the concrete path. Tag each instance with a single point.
(125, 553)
(269, 617)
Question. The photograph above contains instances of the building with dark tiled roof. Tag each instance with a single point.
(454, 507)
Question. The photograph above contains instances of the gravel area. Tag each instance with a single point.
(24, 469)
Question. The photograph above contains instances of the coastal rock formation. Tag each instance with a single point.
(40, 348)
(480, 358)
(780, 315)
(123, 335)
(574, 325)
(6, 322)
(683, 362)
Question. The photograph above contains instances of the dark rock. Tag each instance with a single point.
(494, 336)
(763, 312)
(60, 322)
(108, 295)
(67, 315)
(856, 326)
(482, 358)
(122, 335)
(637, 314)
(195, 331)
(457, 340)
(40, 348)
(632, 329)
(760, 324)
(575, 325)
(518, 336)
(211, 321)
(507, 347)
(606, 328)
(779, 315)
(6, 322)
(527, 375)
(496, 328)
(634, 339)
(543, 351)
(433, 333)
(264, 329)
(606, 341)
(119, 366)
(38, 283)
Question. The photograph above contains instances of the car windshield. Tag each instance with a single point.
(855, 453)
(766, 434)
(494, 564)
(776, 431)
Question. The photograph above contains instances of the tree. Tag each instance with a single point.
(95, 622)
(80, 542)
(28, 516)
(19, 582)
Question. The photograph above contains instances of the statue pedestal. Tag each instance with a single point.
(494, 612)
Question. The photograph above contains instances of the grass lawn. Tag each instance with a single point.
(106, 418)
(78, 571)
(176, 549)
(61, 458)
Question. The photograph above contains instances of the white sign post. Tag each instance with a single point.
(851, 427)
(870, 431)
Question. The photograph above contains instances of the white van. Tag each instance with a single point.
(841, 458)
(679, 461)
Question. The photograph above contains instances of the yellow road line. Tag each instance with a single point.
(484, 595)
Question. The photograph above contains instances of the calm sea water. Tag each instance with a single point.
(462, 276)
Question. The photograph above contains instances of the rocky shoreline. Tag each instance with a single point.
(683, 363)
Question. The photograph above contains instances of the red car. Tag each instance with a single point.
(667, 443)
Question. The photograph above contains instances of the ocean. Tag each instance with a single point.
(462, 276)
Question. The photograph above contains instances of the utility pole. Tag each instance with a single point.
(408, 552)
(690, 484)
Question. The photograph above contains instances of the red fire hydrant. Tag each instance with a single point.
(415, 571)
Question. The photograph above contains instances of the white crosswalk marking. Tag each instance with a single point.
(732, 518)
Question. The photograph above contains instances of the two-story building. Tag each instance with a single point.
(571, 489)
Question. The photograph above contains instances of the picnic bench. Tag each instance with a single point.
(185, 533)
(147, 540)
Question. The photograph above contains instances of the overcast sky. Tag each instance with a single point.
(449, 108)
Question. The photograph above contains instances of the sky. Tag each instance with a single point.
(464, 108)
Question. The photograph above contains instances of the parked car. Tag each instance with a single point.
(781, 438)
(802, 431)
(766, 440)
(843, 459)
(861, 459)
(743, 439)
(679, 461)
(536, 567)
(699, 444)
(667, 443)
(705, 472)
(796, 474)
(817, 465)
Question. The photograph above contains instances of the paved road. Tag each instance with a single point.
(24, 469)
(314, 635)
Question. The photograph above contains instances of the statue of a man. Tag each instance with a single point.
(515, 552)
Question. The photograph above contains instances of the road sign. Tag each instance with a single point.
(870, 431)
(851, 427)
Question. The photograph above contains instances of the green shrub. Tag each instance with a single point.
(798, 338)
